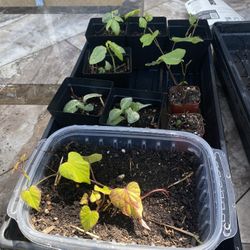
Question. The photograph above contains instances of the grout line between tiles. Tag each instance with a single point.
(238, 200)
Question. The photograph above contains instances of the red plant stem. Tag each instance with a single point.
(161, 190)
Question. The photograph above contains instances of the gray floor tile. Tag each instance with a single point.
(246, 246)
(6, 19)
(35, 32)
(47, 66)
(78, 40)
(243, 208)
(19, 131)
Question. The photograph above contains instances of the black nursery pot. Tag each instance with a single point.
(96, 33)
(157, 100)
(194, 52)
(141, 56)
(80, 87)
(120, 79)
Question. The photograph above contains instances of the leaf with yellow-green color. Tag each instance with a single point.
(93, 158)
(104, 190)
(128, 200)
(32, 197)
(84, 199)
(95, 196)
(76, 168)
(88, 218)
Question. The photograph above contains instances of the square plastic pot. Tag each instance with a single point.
(120, 79)
(94, 33)
(80, 87)
(141, 56)
(214, 191)
(194, 52)
(157, 99)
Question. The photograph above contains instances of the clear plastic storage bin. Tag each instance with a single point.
(215, 195)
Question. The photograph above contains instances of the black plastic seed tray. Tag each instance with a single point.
(232, 57)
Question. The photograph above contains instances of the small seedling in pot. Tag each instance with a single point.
(113, 19)
(81, 103)
(99, 54)
(144, 20)
(128, 111)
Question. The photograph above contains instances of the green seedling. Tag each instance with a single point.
(113, 19)
(99, 54)
(128, 111)
(144, 20)
(81, 104)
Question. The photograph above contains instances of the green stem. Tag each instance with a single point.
(44, 179)
(113, 59)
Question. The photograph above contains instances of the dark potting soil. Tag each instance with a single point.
(184, 94)
(151, 169)
(190, 122)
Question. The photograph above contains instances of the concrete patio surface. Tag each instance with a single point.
(39, 50)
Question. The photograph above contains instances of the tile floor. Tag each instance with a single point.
(42, 49)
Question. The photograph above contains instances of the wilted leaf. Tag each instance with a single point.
(142, 23)
(88, 218)
(126, 102)
(115, 117)
(128, 200)
(132, 116)
(75, 169)
(192, 19)
(116, 49)
(147, 39)
(89, 96)
(104, 190)
(132, 13)
(32, 197)
(193, 39)
(174, 57)
(95, 196)
(84, 199)
(93, 158)
(98, 54)
(137, 106)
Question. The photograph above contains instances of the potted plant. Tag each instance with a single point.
(112, 26)
(80, 101)
(109, 62)
(189, 122)
(90, 186)
(140, 26)
(133, 108)
(182, 31)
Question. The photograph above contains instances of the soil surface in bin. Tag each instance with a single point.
(60, 206)
(149, 118)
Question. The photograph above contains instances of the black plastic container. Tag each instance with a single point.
(95, 36)
(120, 79)
(141, 56)
(157, 100)
(80, 87)
(232, 54)
(179, 28)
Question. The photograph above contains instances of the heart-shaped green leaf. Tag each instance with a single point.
(115, 117)
(193, 39)
(98, 54)
(137, 106)
(132, 116)
(147, 39)
(104, 190)
(126, 102)
(128, 200)
(32, 197)
(84, 200)
(142, 23)
(88, 218)
(75, 169)
(72, 106)
(192, 19)
(115, 27)
(148, 17)
(174, 57)
(89, 107)
(95, 196)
